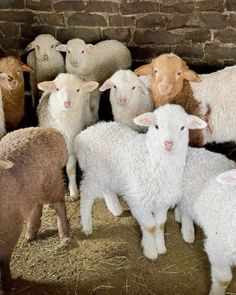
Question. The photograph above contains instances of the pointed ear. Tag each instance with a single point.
(144, 70)
(61, 47)
(193, 122)
(146, 119)
(5, 164)
(30, 46)
(228, 177)
(191, 76)
(27, 68)
(89, 86)
(146, 80)
(106, 85)
(89, 47)
(4, 76)
(47, 86)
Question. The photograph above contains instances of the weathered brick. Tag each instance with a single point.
(193, 51)
(198, 35)
(214, 5)
(138, 7)
(43, 5)
(87, 19)
(121, 21)
(120, 34)
(89, 35)
(231, 5)
(102, 6)
(30, 32)
(195, 21)
(151, 20)
(17, 16)
(51, 19)
(148, 51)
(68, 5)
(232, 20)
(157, 37)
(177, 20)
(213, 20)
(177, 6)
(214, 52)
(18, 4)
(226, 36)
(9, 30)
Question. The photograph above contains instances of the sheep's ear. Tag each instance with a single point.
(106, 85)
(5, 164)
(146, 80)
(228, 177)
(191, 76)
(47, 86)
(3, 75)
(146, 119)
(27, 68)
(144, 70)
(89, 86)
(89, 47)
(193, 122)
(61, 47)
(30, 46)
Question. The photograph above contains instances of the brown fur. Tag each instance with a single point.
(13, 97)
(38, 154)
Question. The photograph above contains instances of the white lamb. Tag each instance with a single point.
(212, 206)
(95, 62)
(65, 106)
(144, 168)
(45, 60)
(129, 97)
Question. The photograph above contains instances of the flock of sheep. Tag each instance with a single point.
(143, 156)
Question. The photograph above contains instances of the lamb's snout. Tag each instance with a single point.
(74, 63)
(123, 101)
(13, 82)
(168, 145)
(165, 87)
(45, 57)
(67, 104)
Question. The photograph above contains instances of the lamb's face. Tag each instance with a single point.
(168, 127)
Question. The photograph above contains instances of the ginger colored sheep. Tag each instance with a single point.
(174, 82)
(31, 163)
(12, 86)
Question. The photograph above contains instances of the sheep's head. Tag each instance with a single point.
(67, 90)
(168, 127)
(11, 72)
(76, 51)
(168, 72)
(124, 86)
(5, 164)
(44, 46)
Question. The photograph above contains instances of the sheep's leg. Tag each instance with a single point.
(62, 221)
(71, 173)
(34, 222)
(148, 227)
(113, 203)
(178, 214)
(221, 278)
(187, 228)
(160, 217)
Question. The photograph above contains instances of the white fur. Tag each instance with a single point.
(124, 84)
(95, 62)
(117, 160)
(2, 118)
(212, 206)
(52, 113)
(44, 69)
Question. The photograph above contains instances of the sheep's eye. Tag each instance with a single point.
(114, 86)
(82, 51)
(52, 46)
(68, 51)
(77, 90)
(182, 128)
(37, 46)
(57, 89)
(156, 126)
(179, 73)
(133, 87)
(156, 71)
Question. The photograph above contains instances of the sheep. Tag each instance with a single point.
(210, 96)
(211, 205)
(31, 163)
(129, 98)
(45, 60)
(2, 117)
(12, 86)
(65, 105)
(95, 62)
(144, 168)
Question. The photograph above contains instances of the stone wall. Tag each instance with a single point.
(201, 31)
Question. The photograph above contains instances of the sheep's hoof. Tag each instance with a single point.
(151, 255)
(189, 238)
(71, 198)
(87, 232)
(29, 239)
(162, 250)
(118, 212)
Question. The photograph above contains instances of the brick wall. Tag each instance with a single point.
(201, 31)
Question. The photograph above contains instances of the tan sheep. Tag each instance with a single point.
(31, 162)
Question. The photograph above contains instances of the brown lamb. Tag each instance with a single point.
(13, 95)
(31, 163)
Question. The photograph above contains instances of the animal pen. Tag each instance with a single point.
(110, 261)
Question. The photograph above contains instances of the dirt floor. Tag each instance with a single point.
(110, 261)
